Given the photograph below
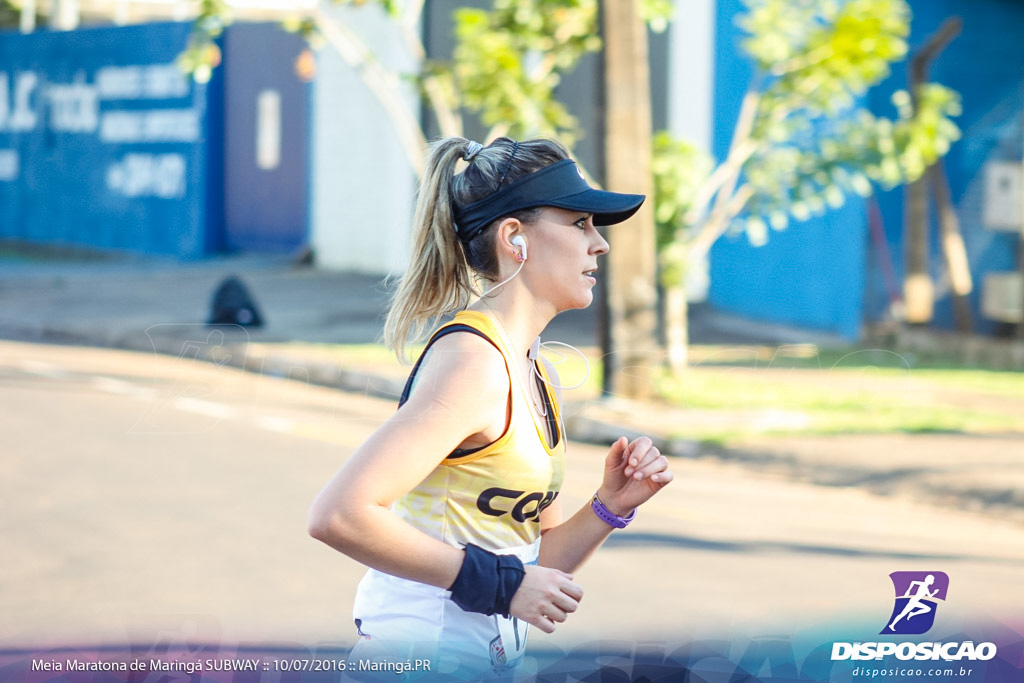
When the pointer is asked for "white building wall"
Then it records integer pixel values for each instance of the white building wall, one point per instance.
(691, 101)
(691, 71)
(362, 186)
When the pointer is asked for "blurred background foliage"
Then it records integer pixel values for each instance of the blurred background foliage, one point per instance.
(803, 142)
(808, 142)
(10, 14)
(509, 61)
(202, 55)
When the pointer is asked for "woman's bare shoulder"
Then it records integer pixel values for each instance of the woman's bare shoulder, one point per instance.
(462, 368)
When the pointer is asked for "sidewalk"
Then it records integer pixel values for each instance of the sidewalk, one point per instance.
(147, 305)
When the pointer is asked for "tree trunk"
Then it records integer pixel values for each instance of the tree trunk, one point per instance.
(918, 288)
(1020, 256)
(677, 330)
(1020, 270)
(632, 297)
(953, 248)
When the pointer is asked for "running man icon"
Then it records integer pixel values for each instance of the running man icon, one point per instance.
(917, 594)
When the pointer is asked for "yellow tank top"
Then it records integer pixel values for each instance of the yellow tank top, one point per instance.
(492, 496)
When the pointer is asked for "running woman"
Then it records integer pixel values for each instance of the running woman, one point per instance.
(453, 502)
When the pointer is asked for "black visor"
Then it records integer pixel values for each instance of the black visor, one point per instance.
(560, 185)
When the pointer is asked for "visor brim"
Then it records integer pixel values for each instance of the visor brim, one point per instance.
(608, 208)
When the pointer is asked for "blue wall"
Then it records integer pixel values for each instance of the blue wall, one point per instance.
(985, 64)
(266, 207)
(104, 143)
(823, 273)
(809, 275)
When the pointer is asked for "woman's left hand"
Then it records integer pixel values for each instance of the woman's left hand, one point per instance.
(633, 472)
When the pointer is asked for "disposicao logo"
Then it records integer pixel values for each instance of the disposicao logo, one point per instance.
(917, 596)
(916, 602)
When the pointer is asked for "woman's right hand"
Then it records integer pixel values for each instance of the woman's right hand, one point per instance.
(546, 597)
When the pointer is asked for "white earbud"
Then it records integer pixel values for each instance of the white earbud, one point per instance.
(521, 242)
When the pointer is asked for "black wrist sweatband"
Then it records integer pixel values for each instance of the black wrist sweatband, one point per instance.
(487, 581)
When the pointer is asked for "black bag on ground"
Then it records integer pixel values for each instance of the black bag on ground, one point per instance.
(233, 305)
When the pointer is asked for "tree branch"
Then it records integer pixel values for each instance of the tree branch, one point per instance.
(381, 83)
(717, 178)
(413, 12)
(722, 182)
(499, 130)
(718, 222)
(816, 56)
(949, 30)
(448, 119)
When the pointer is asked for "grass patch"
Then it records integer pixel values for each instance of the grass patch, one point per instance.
(731, 393)
(845, 400)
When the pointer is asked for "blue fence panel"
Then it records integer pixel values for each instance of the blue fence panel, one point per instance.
(266, 145)
(810, 275)
(983, 64)
(105, 143)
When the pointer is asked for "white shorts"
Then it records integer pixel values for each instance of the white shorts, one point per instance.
(405, 621)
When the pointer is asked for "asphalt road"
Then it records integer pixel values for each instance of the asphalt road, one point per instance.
(143, 495)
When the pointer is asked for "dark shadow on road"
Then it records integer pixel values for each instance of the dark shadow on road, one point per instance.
(638, 539)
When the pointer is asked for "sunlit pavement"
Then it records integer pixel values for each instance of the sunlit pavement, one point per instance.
(144, 495)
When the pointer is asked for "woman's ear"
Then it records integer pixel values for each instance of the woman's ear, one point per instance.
(508, 230)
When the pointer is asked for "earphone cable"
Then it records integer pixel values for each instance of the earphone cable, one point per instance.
(505, 281)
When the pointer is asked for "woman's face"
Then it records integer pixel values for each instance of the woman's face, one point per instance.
(563, 247)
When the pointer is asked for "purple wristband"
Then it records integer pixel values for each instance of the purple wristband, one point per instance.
(607, 516)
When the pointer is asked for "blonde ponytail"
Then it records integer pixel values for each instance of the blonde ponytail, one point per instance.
(440, 278)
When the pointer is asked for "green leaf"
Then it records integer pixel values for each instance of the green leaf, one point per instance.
(757, 231)
(778, 220)
(509, 60)
(800, 211)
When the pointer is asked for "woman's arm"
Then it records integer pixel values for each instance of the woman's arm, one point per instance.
(461, 391)
(634, 472)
